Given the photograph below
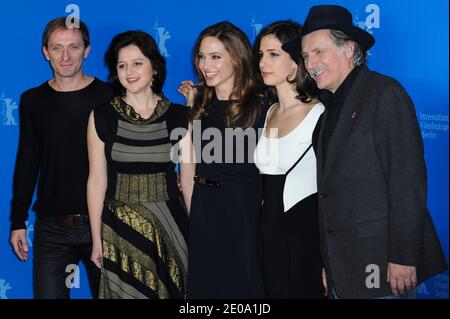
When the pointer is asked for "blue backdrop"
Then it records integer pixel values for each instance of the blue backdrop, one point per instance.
(411, 45)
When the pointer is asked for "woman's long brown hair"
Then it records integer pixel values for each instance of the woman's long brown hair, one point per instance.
(242, 112)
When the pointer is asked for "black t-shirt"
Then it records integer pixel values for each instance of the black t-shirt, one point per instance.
(53, 150)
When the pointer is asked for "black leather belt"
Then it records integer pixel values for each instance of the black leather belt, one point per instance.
(205, 181)
(68, 220)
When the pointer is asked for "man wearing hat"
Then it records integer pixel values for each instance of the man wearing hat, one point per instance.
(377, 236)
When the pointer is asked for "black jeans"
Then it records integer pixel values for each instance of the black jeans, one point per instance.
(56, 247)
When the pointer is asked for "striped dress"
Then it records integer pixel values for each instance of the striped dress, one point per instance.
(144, 221)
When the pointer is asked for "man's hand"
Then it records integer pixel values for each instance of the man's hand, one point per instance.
(18, 240)
(402, 278)
(324, 282)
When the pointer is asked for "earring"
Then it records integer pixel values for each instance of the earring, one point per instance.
(153, 77)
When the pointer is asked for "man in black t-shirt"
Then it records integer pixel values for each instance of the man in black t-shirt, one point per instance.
(52, 153)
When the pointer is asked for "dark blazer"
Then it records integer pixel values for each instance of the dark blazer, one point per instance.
(373, 190)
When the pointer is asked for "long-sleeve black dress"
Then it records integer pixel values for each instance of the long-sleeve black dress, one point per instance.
(224, 219)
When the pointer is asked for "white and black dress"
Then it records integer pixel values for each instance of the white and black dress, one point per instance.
(290, 244)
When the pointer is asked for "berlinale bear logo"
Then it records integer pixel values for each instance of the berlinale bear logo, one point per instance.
(8, 105)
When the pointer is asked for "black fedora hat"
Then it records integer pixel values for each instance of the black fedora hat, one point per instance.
(335, 18)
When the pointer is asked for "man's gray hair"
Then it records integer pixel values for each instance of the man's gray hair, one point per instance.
(341, 39)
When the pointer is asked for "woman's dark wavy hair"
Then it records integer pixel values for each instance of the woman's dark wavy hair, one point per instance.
(148, 47)
(242, 112)
(285, 31)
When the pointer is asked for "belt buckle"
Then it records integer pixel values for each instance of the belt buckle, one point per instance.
(77, 220)
(204, 181)
(214, 184)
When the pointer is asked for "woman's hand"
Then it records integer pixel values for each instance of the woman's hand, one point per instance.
(188, 90)
(324, 281)
(97, 255)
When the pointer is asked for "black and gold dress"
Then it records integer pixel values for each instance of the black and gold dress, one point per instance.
(144, 221)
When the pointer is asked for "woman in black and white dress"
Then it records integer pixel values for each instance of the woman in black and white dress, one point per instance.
(290, 251)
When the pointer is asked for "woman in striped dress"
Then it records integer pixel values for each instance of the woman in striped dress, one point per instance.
(137, 214)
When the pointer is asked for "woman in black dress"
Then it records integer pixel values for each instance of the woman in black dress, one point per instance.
(227, 193)
(291, 260)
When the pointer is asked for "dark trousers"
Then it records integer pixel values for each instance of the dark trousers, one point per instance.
(57, 248)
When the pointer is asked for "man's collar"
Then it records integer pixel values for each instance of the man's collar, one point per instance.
(327, 97)
(344, 88)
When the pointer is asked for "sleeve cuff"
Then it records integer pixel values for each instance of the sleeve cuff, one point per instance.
(15, 225)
